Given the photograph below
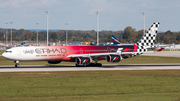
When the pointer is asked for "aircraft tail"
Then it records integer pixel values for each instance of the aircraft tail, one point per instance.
(148, 39)
(115, 41)
(159, 50)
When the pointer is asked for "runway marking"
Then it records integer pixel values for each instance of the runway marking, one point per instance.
(104, 67)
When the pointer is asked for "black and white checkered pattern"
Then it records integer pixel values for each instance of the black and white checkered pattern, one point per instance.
(148, 39)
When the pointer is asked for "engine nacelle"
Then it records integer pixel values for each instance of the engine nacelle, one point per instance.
(83, 61)
(53, 62)
(113, 58)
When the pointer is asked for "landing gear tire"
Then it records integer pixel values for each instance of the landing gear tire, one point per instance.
(16, 65)
(79, 65)
(99, 64)
(91, 65)
(84, 65)
(95, 64)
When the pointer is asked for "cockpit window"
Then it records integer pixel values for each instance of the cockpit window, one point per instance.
(8, 52)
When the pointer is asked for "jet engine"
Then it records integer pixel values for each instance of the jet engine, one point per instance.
(113, 58)
(83, 61)
(53, 62)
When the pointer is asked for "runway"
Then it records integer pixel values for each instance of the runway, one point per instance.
(104, 67)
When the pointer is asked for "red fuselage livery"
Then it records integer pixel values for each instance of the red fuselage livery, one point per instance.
(60, 53)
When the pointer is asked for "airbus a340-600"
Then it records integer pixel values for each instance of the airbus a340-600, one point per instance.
(83, 55)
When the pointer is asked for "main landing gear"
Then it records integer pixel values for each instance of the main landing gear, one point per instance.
(90, 65)
(17, 63)
(95, 64)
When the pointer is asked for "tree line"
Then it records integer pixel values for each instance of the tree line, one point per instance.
(128, 35)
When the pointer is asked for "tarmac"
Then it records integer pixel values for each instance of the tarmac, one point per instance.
(104, 67)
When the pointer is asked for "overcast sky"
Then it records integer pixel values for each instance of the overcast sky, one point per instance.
(79, 14)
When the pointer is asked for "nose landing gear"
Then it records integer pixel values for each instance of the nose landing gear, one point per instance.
(17, 63)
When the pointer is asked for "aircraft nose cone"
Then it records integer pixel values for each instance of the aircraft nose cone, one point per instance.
(3, 55)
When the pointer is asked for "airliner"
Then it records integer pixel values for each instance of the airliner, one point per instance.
(115, 41)
(83, 55)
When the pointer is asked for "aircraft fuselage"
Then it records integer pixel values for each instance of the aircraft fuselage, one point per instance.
(60, 53)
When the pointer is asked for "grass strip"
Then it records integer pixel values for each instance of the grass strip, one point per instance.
(148, 85)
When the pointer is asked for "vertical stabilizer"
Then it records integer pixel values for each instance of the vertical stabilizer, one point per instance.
(148, 39)
(115, 41)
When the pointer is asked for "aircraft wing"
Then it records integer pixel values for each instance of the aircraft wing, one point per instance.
(105, 54)
(89, 55)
